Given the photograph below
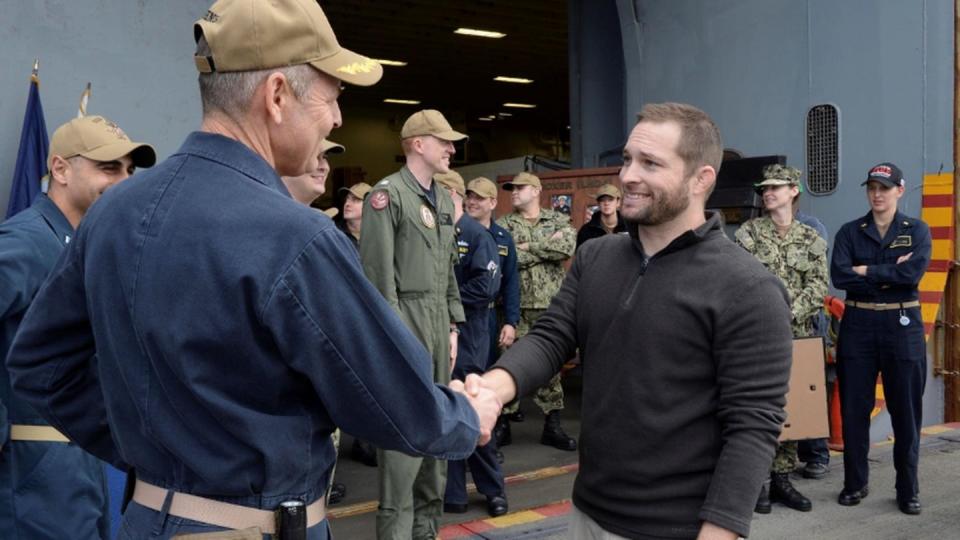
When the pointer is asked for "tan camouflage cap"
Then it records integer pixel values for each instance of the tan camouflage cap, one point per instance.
(329, 147)
(451, 180)
(483, 187)
(249, 35)
(522, 179)
(780, 175)
(99, 139)
(430, 122)
(358, 190)
(608, 190)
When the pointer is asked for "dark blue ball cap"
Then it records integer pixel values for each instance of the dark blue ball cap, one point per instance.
(886, 173)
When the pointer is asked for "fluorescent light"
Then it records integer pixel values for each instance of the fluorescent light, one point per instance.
(485, 119)
(479, 33)
(402, 101)
(389, 62)
(520, 105)
(504, 114)
(518, 80)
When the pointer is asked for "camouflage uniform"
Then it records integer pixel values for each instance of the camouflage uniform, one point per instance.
(541, 273)
(799, 259)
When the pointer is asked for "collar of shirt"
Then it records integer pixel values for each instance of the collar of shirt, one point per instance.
(897, 226)
(55, 219)
(233, 154)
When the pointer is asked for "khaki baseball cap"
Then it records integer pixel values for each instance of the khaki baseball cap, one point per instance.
(522, 179)
(451, 180)
(358, 190)
(483, 187)
(99, 139)
(329, 147)
(249, 35)
(430, 122)
(608, 190)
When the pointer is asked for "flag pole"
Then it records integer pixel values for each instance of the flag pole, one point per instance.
(84, 98)
(35, 76)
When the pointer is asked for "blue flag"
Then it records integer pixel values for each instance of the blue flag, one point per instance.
(32, 157)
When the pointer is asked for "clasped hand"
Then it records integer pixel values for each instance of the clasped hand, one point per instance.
(484, 401)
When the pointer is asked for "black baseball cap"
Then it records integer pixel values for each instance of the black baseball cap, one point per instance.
(886, 173)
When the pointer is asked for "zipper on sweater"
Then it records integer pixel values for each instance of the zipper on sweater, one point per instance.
(628, 300)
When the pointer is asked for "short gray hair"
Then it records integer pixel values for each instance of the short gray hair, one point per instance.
(231, 92)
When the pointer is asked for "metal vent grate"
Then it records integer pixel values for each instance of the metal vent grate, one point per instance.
(823, 149)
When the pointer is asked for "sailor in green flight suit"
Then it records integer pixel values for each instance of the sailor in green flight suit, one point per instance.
(408, 250)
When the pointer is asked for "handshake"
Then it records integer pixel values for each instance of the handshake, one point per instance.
(486, 395)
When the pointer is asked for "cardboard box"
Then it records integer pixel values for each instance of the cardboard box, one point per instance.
(807, 398)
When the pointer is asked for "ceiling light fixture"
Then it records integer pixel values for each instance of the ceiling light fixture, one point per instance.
(485, 119)
(402, 101)
(398, 63)
(520, 105)
(518, 80)
(479, 33)
(504, 114)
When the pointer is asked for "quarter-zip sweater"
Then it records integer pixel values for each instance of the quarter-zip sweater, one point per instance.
(686, 357)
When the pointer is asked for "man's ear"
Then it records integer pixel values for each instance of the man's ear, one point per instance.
(59, 170)
(706, 177)
(276, 96)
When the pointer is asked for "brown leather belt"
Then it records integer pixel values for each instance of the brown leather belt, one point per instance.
(21, 432)
(221, 514)
(883, 306)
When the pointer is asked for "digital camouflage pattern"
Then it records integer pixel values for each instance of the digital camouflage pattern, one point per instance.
(800, 261)
(541, 266)
(549, 397)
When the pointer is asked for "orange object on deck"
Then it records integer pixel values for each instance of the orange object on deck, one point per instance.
(834, 307)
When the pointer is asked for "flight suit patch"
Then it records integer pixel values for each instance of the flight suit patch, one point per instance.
(426, 216)
(379, 200)
(904, 240)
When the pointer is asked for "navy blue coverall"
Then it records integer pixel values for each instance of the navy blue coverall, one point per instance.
(234, 330)
(509, 294)
(872, 342)
(478, 276)
(47, 489)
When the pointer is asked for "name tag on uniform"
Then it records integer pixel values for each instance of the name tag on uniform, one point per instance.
(502, 251)
(445, 219)
(904, 240)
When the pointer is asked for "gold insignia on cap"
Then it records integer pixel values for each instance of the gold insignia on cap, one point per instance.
(210, 16)
(427, 217)
(115, 129)
(366, 66)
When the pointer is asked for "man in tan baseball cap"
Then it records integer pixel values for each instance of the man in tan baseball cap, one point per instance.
(606, 219)
(305, 188)
(408, 251)
(351, 223)
(86, 157)
(225, 347)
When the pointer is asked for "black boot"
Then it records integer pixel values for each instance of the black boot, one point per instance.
(553, 434)
(501, 432)
(763, 502)
(781, 490)
(517, 416)
(337, 492)
(364, 452)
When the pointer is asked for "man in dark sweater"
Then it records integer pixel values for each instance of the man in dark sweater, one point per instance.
(606, 220)
(686, 344)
